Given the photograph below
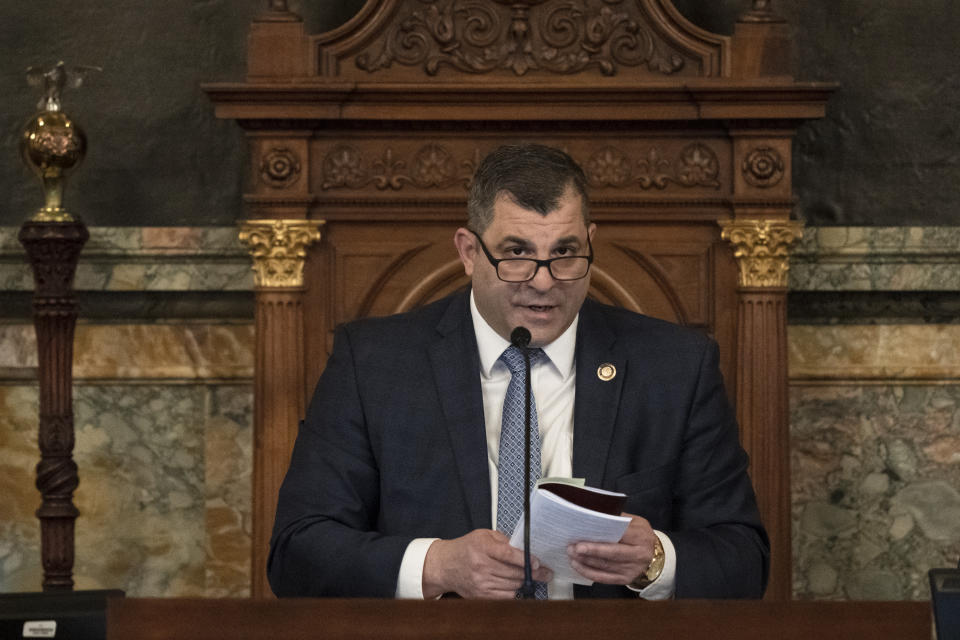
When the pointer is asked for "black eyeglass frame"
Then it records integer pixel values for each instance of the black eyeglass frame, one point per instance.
(540, 263)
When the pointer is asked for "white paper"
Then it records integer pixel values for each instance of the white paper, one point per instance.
(556, 524)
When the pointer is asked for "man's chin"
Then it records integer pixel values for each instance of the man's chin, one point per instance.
(543, 334)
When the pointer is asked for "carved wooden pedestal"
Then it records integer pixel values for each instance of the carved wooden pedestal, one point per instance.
(53, 249)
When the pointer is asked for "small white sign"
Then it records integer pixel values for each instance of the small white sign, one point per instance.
(40, 629)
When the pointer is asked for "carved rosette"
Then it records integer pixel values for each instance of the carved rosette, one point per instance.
(280, 168)
(763, 167)
(762, 249)
(279, 250)
(557, 36)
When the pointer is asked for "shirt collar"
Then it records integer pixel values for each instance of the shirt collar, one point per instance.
(491, 344)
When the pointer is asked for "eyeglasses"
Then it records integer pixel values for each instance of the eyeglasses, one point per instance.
(562, 268)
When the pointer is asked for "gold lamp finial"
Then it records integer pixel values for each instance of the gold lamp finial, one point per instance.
(52, 144)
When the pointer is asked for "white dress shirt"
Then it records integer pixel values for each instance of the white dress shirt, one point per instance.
(553, 385)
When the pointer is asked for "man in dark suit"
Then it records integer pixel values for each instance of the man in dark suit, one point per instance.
(392, 485)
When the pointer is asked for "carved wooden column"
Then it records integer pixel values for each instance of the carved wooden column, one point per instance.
(279, 250)
(53, 249)
(761, 248)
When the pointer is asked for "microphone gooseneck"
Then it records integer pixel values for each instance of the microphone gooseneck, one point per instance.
(520, 338)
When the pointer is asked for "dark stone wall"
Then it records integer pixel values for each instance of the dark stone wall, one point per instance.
(887, 152)
(885, 155)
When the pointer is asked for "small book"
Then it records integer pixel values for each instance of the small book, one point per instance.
(564, 511)
(574, 490)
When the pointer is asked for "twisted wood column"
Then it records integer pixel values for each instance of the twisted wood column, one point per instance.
(761, 248)
(279, 250)
(53, 249)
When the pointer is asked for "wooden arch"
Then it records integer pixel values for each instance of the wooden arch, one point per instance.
(364, 139)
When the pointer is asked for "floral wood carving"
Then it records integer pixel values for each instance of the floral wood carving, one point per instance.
(431, 166)
(697, 166)
(561, 36)
(762, 249)
(434, 166)
(279, 250)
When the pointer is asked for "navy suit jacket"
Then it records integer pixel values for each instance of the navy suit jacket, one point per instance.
(393, 448)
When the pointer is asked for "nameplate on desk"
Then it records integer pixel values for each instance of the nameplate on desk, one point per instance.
(40, 629)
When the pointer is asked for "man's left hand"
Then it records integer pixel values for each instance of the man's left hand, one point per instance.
(616, 562)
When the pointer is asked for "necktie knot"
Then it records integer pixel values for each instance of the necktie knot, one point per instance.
(513, 358)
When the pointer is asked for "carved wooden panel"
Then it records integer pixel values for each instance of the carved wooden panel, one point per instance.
(528, 38)
(619, 164)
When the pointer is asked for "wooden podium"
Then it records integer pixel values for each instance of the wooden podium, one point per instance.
(197, 619)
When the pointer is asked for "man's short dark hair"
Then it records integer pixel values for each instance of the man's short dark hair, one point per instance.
(534, 176)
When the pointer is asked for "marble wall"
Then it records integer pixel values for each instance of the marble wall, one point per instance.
(164, 411)
(874, 411)
(163, 414)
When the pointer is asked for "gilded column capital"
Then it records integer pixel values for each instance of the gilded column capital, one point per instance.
(762, 249)
(279, 250)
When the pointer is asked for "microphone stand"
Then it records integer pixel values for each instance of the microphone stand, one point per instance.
(520, 337)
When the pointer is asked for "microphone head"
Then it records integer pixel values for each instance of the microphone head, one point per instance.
(520, 337)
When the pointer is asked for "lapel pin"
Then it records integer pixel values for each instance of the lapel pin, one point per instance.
(606, 372)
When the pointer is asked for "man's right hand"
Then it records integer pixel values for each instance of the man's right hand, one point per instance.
(481, 564)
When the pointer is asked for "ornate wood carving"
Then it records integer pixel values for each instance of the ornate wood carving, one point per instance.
(559, 37)
(762, 249)
(432, 165)
(516, 38)
(280, 168)
(439, 166)
(53, 249)
(763, 167)
(279, 249)
(697, 166)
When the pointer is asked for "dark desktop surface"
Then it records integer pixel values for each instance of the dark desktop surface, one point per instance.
(77, 615)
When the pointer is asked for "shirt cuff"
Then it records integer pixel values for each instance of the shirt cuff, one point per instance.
(410, 578)
(663, 587)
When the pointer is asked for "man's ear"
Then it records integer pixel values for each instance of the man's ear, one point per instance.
(466, 244)
(591, 231)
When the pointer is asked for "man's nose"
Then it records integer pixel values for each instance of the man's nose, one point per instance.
(542, 279)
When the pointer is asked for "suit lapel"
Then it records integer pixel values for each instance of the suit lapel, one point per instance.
(456, 372)
(597, 400)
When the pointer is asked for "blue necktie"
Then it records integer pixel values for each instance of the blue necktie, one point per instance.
(510, 457)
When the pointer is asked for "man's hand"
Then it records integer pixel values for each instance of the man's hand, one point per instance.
(481, 564)
(616, 562)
